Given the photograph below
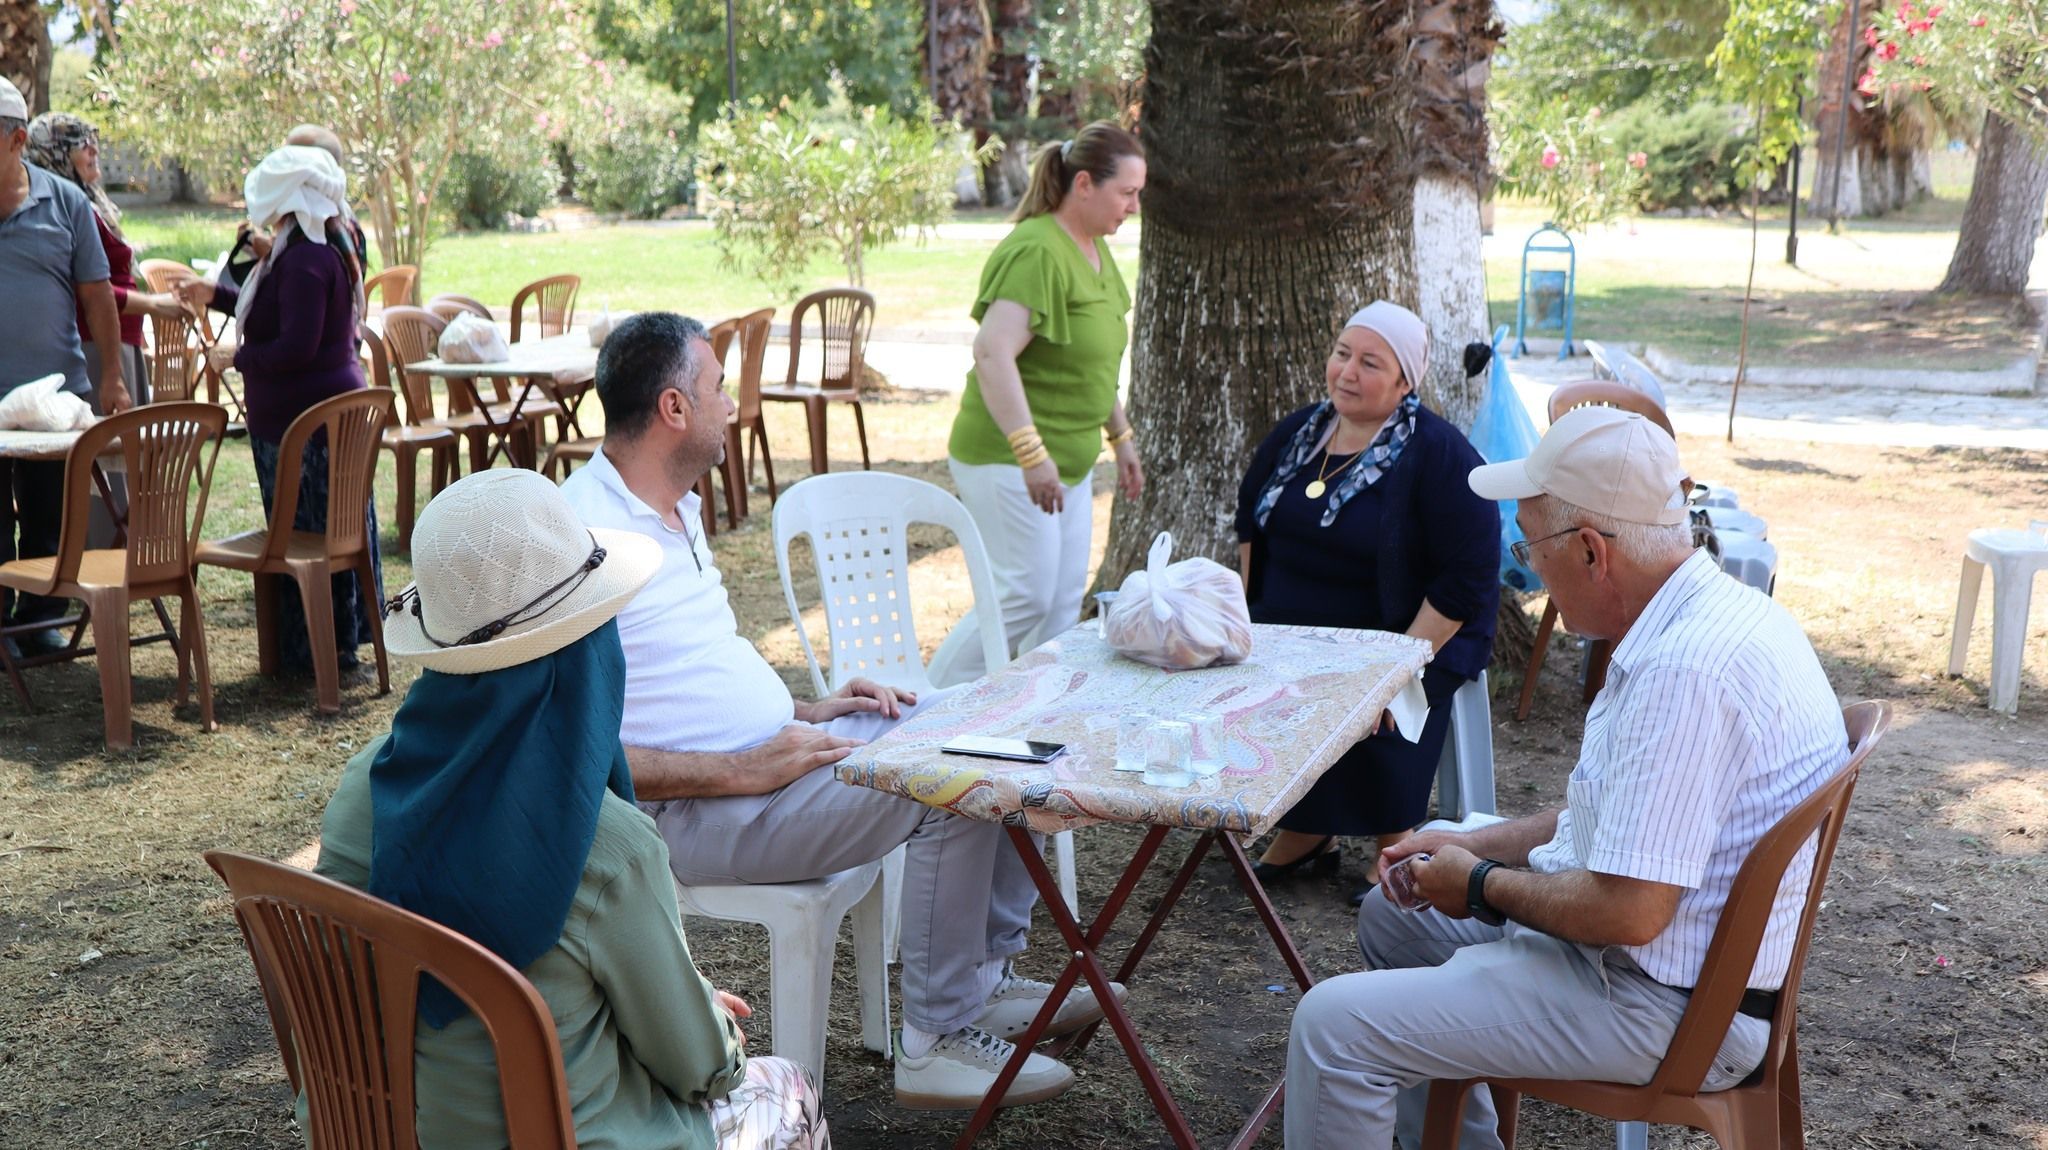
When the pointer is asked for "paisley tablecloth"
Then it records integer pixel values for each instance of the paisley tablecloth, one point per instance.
(1290, 711)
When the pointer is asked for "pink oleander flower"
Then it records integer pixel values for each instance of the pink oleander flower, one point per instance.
(1638, 160)
(1915, 27)
(1593, 115)
(1870, 37)
(401, 77)
(348, 8)
(1867, 83)
(243, 55)
(1550, 156)
(1887, 51)
(1977, 21)
(492, 41)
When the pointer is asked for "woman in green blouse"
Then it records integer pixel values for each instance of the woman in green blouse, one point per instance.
(1052, 308)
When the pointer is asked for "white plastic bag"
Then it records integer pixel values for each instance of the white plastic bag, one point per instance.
(1180, 615)
(473, 339)
(601, 328)
(42, 405)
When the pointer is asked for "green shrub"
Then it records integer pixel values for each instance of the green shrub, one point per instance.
(482, 190)
(628, 145)
(1694, 155)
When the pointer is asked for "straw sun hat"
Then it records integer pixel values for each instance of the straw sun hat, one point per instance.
(505, 572)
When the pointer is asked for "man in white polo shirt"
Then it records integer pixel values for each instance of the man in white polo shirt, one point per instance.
(1564, 945)
(737, 774)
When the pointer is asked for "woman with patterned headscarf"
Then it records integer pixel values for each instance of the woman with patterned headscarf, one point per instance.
(295, 318)
(64, 145)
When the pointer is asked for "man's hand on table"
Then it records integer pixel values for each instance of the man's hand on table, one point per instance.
(857, 696)
(795, 751)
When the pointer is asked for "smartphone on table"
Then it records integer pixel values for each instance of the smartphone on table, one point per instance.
(1015, 750)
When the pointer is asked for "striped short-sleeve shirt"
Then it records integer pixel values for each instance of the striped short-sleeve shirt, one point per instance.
(1716, 720)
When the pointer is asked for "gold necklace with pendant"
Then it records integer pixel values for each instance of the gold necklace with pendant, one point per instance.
(1318, 485)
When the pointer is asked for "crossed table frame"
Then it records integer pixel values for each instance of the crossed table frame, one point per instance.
(1288, 719)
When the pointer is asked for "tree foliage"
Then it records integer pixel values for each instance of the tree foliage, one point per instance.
(407, 84)
(1573, 162)
(1768, 49)
(1094, 50)
(1611, 54)
(1967, 56)
(800, 179)
(872, 47)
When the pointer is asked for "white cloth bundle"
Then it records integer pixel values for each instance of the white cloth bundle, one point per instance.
(1180, 615)
(42, 405)
(473, 339)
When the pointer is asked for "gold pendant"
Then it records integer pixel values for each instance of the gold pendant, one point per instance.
(1315, 489)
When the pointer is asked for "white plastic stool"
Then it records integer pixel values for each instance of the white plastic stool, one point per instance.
(2014, 557)
(1749, 559)
(803, 927)
(1464, 771)
(1736, 519)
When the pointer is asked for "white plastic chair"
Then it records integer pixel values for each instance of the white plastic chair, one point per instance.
(858, 523)
(1464, 771)
(1750, 559)
(803, 927)
(1621, 367)
(2014, 557)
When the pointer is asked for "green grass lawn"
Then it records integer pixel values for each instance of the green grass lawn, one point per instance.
(1857, 298)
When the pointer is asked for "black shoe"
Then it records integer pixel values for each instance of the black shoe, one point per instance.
(1358, 896)
(1322, 857)
(30, 644)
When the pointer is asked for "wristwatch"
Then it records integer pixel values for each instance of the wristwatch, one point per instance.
(1475, 895)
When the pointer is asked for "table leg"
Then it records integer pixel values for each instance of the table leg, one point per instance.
(1085, 962)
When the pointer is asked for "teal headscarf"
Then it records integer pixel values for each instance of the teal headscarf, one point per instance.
(484, 800)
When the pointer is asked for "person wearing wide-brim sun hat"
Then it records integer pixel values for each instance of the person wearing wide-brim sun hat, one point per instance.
(500, 805)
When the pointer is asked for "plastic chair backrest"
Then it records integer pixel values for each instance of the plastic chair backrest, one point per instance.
(413, 335)
(394, 285)
(1606, 393)
(448, 305)
(1732, 952)
(340, 972)
(160, 445)
(174, 358)
(1623, 368)
(721, 335)
(354, 422)
(858, 523)
(754, 330)
(845, 316)
(556, 304)
(419, 400)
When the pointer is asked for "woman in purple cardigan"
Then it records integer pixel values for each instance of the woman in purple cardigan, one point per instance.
(296, 318)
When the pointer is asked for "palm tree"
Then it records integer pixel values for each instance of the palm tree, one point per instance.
(25, 51)
(1884, 145)
(959, 35)
(1305, 158)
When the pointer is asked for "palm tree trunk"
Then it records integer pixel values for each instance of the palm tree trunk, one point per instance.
(25, 51)
(2002, 220)
(1885, 163)
(1282, 195)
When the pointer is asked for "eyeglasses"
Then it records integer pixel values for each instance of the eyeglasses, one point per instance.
(1521, 547)
(541, 604)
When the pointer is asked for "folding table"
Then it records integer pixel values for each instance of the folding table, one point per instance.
(1289, 712)
(532, 363)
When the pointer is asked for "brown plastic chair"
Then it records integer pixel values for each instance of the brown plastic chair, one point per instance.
(845, 317)
(395, 286)
(418, 433)
(1763, 1113)
(748, 424)
(340, 972)
(1591, 393)
(448, 305)
(554, 301)
(721, 336)
(174, 356)
(160, 446)
(354, 422)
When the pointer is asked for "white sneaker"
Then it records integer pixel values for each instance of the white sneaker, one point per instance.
(1016, 1002)
(958, 1072)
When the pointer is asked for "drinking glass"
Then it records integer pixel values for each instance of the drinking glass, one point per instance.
(1168, 750)
(1131, 727)
(1104, 600)
(1208, 750)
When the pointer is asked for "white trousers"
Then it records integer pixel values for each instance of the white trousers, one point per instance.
(1040, 561)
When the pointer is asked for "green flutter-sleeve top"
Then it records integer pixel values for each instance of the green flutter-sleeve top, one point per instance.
(1079, 328)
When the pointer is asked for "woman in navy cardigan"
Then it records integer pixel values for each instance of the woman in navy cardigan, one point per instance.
(1355, 513)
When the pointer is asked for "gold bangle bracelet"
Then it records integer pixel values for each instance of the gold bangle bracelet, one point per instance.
(1032, 459)
(1021, 435)
(1124, 436)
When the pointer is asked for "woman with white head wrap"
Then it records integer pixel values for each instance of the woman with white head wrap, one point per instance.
(1355, 513)
(296, 317)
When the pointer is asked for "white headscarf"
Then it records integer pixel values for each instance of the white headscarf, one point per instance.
(300, 183)
(1403, 330)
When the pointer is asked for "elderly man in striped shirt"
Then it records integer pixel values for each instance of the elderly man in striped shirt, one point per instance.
(1564, 945)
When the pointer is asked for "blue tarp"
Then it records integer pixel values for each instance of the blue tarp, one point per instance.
(1504, 431)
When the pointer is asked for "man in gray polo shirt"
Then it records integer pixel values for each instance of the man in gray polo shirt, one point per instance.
(50, 252)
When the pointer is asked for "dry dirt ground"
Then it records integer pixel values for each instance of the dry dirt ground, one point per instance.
(129, 1016)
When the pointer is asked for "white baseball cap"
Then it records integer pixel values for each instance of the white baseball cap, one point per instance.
(11, 103)
(1611, 462)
